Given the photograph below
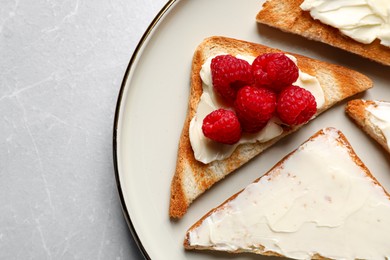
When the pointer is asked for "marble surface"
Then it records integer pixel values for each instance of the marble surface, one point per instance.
(61, 66)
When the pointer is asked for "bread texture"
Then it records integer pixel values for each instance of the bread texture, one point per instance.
(191, 177)
(288, 16)
(357, 110)
(233, 215)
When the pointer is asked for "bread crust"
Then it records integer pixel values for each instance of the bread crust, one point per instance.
(341, 140)
(192, 177)
(288, 16)
(356, 109)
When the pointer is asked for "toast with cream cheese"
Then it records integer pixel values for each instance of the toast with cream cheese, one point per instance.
(319, 202)
(192, 177)
(373, 116)
(289, 17)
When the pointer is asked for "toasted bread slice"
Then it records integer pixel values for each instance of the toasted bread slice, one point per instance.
(288, 16)
(192, 177)
(361, 111)
(320, 201)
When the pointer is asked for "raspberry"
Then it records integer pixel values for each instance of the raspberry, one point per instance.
(254, 107)
(229, 74)
(296, 105)
(222, 126)
(274, 71)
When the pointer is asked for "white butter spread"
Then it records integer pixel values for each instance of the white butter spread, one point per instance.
(380, 116)
(362, 20)
(317, 202)
(206, 150)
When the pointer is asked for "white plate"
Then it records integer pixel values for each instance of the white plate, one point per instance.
(152, 105)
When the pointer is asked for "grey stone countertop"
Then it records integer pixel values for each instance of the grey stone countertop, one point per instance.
(61, 67)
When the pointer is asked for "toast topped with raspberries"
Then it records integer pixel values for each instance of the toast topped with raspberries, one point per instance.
(328, 206)
(245, 97)
(373, 116)
(289, 16)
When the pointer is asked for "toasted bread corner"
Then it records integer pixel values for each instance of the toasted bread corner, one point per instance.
(357, 110)
(288, 17)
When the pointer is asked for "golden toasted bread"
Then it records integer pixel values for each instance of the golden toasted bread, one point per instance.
(361, 112)
(192, 177)
(319, 202)
(288, 16)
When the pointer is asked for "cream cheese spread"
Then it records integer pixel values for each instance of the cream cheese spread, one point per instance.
(318, 201)
(362, 20)
(380, 116)
(206, 150)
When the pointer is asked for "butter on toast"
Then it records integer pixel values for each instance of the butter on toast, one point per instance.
(191, 177)
(366, 116)
(288, 17)
(319, 202)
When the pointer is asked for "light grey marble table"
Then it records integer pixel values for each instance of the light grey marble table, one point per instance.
(61, 67)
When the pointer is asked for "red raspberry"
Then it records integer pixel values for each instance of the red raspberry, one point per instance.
(229, 74)
(254, 107)
(274, 71)
(296, 105)
(222, 126)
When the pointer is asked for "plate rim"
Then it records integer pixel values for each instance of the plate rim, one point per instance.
(148, 37)
(163, 11)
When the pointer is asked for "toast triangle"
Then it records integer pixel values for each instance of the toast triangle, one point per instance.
(360, 111)
(319, 202)
(287, 16)
(191, 177)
